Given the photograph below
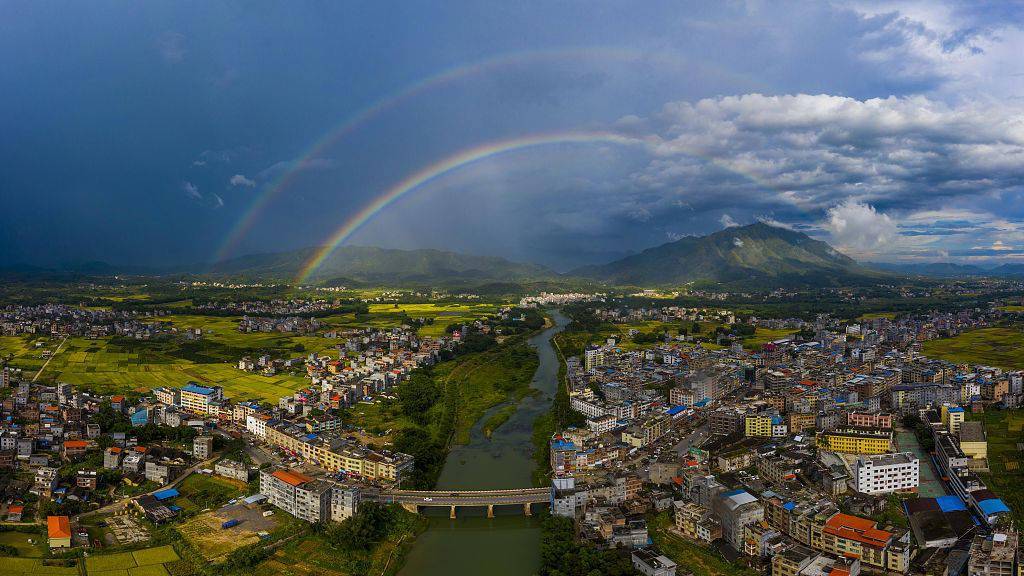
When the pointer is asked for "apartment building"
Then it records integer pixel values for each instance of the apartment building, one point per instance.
(852, 440)
(883, 473)
(297, 494)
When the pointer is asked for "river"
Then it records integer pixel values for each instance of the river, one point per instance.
(509, 544)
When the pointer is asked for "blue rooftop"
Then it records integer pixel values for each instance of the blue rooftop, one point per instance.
(992, 506)
(675, 410)
(165, 494)
(950, 503)
(197, 389)
(956, 409)
(789, 506)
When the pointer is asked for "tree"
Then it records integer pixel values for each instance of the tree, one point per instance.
(417, 396)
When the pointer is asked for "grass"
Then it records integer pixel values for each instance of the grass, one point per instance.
(160, 555)
(312, 555)
(1001, 346)
(1012, 308)
(499, 417)
(19, 540)
(119, 561)
(442, 314)
(689, 555)
(32, 567)
(1004, 432)
(145, 562)
(200, 491)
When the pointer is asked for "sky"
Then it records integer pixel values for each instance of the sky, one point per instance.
(568, 133)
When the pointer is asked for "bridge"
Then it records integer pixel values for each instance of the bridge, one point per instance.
(413, 500)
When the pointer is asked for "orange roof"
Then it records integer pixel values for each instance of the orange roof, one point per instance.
(116, 398)
(839, 572)
(114, 450)
(141, 449)
(75, 444)
(15, 509)
(291, 477)
(858, 529)
(58, 527)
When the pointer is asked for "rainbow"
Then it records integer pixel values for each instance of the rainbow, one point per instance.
(439, 169)
(449, 75)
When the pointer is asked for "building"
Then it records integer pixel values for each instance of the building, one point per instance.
(973, 441)
(232, 469)
(344, 502)
(58, 530)
(592, 358)
(885, 473)
(566, 499)
(735, 510)
(202, 447)
(852, 440)
(297, 494)
(858, 538)
(650, 562)
(993, 554)
(198, 399)
(952, 418)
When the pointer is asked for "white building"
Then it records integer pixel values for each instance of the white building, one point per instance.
(884, 473)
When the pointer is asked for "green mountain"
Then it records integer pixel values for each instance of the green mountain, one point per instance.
(370, 265)
(755, 256)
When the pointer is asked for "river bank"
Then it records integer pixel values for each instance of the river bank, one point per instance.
(507, 545)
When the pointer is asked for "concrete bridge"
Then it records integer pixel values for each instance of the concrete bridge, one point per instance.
(413, 500)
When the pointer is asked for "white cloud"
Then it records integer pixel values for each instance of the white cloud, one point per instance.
(191, 190)
(859, 227)
(727, 222)
(241, 180)
(218, 202)
(737, 242)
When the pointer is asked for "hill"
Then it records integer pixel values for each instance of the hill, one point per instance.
(930, 269)
(757, 255)
(371, 265)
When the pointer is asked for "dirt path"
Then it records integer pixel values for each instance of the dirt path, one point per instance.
(47, 363)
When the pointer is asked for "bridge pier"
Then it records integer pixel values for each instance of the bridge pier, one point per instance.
(490, 510)
(452, 515)
(526, 509)
(415, 509)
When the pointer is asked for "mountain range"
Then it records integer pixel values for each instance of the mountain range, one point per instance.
(758, 254)
(754, 256)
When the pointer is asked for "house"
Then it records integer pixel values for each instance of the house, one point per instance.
(650, 562)
(14, 513)
(58, 530)
(74, 448)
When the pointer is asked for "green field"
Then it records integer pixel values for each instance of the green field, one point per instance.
(442, 314)
(1006, 474)
(200, 491)
(33, 567)
(690, 556)
(1003, 347)
(20, 540)
(146, 562)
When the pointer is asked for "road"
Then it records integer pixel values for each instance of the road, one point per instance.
(124, 501)
(47, 363)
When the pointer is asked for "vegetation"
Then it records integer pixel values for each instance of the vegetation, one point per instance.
(700, 560)
(999, 346)
(1005, 476)
(562, 554)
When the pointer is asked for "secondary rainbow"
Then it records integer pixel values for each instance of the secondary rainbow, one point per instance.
(364, 115)
(443, 167)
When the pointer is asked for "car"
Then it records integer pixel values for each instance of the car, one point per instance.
(428, 499)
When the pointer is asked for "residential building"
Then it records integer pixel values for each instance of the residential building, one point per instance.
(883, 473)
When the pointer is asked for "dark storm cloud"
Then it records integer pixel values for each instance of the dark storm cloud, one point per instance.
(827, 117)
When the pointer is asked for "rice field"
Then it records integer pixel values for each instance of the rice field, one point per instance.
(146, 562)
(1003, 347)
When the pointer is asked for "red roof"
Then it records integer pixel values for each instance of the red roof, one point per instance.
(58, 527)
(117, 399)
(76, 444)
(291, 477)
(15, 509)
(114, 450)
(858, 529)
(141, 449)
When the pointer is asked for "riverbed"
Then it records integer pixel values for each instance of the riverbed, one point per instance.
(509, 543)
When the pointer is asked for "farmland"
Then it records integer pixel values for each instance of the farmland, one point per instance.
(1000, 346)
(1006, 477)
